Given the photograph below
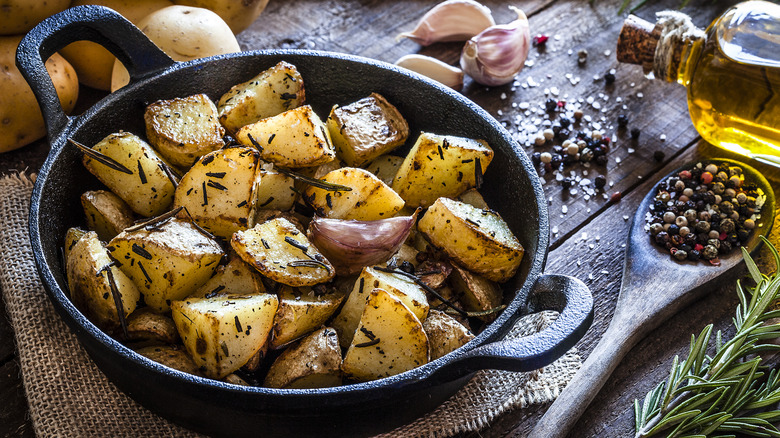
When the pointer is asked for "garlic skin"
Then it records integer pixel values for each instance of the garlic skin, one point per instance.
(498, 53)
(434, 69)
(451, 20)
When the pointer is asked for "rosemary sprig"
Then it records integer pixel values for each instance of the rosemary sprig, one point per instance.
(732, 391)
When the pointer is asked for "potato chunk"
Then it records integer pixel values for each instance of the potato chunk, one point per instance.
(388, 341)
(219, 190)
(89, 281)
(282, 253)
(72, 236)
(314, 362)
(173, 356)
(146, 188)
(370, 199)
(385, 167)
(301, 310)
(294, 138)
(107, 214)
(272, 92)
(366, 129)
(478, 239)
(476, 292)
(167, 263)
(236, 277)
(412, 295)
(222, 333)
(445, 333)
(184, 129)
(144, 325)
(276, 191)
(440, 165)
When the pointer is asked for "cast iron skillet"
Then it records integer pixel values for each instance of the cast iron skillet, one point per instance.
(511, 187)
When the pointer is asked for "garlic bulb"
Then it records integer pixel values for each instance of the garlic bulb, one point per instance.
(451, 20)
(434, 69)
(498, 53)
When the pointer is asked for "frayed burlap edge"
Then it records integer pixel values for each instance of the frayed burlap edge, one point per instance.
(69, 396)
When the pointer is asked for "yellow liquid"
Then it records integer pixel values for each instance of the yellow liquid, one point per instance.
(733, 81)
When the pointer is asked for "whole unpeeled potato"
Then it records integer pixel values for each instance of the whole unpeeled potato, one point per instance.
(19, 16)
(21, 121)
(238, 14)
(184, 33)
(92, 62)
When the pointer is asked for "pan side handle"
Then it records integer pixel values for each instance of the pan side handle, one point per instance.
(93, 23)
(567, 295)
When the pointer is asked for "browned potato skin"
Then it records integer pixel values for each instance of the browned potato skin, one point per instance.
(445, 333)
(477, 293)
(72, 237)
(300, 312)
(173, 356)
(144, 325)
(107, 214)
(315, 358)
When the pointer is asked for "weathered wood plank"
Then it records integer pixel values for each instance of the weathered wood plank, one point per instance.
(14, 421)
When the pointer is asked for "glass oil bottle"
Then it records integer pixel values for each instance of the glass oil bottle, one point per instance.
(731, 72)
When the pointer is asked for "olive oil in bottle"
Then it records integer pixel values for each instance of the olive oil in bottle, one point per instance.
(731, 72)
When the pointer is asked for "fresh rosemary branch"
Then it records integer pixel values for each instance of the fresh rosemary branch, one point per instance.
(732, 391)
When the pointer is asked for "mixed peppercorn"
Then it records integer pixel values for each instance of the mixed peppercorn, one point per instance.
(704, 212)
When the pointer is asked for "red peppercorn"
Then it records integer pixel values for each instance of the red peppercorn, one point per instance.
(706, 178)
(722, 236)
(698, 247)
(615, 197)
(540, 40)
(685, 174)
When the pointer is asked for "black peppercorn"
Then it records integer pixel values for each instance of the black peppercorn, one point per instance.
(694, 255)
(662, 238)
(609, 78)
(601, 160)
(536, 158)
(658, 155)
(600, 182)
(565, 122)
(550, 105)
(673, 230)
(622, 121)
(635, 133)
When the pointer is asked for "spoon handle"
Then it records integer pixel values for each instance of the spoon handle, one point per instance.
(563, 414)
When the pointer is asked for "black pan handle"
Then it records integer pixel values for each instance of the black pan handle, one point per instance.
(567, 295)
(99, 24)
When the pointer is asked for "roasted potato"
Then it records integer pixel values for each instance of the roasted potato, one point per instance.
(107, 214)
(302, 310)
(312, 362)
(445, 333)
(72, 237)
(473, 197)
(167, 262)
(477, 293)
(223, 332)
(388, 341)
(236, 277)
(385, 167)
(370, 199)
(478, 239)
(172, 356)
(276, 190)
(146, 326)
(366, 129)
(272, 92)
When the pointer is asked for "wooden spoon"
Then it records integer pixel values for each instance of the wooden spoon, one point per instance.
(654, 287)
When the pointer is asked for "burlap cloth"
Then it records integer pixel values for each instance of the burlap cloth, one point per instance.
(69, 396)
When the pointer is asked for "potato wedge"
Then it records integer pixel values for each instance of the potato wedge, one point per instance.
(478, 239)
(272, 92)
(445, 333)
(167, 263)
(282, 253)
(236, 277)
(366, 129)
(473, 197)
(146, 188)
(440, 165)
(388, 341)
(302, 310)
(72, 237)
(90, 272)
(477, 293)
(312, 362)
(385, 167)
(219, 190)
(222, 333)
(144, 325)
(412, 295)
(173, 356)
(370, 199)
(107, 214)
(276, 190)
(294, 138)
(184, 129)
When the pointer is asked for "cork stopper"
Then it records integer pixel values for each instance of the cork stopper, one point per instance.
(637, 42)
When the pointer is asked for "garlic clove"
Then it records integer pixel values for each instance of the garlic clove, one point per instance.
(451, 20)
(434, 69)
(498, 53)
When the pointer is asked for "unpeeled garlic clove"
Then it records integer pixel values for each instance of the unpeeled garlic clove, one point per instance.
(451, 20)
(498, 53)
(434, 69)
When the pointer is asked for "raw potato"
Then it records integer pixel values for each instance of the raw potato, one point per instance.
(146, 189)
(477, 293)
(168, 262)
(301, 310)
(445, 333)
(222, 333)
(236, 277)
(366, 129)
(19, 16)
(184, 129)
(107, 214)
(275, 248)
(385, 167)
(294, 138)
(272, 92)
(94, 63)
(219, 190)
(144, 325)
(313, 362)
(21, 120)
(184, 33)
(89, 281)
(370, 199)
(172, 356)
(440, 165)
(478, 239)
(388, 341)
(412, 295)
(238, 14)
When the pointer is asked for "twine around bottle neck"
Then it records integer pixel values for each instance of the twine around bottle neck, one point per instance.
(677, 31)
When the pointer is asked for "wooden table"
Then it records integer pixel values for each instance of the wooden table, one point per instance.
(587, 234)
